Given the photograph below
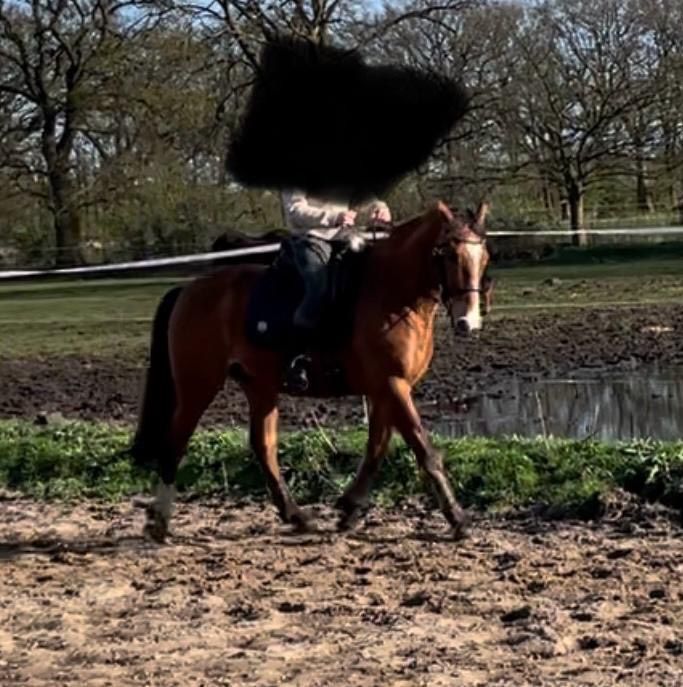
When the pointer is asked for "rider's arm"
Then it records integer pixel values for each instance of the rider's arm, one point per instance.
(303, 215)
(377, 204)
(373, 206)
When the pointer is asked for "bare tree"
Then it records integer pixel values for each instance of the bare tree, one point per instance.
(663, 19)
(471, 44)
(247, 24)
(117, 117)
(577, 77)
(53, 54)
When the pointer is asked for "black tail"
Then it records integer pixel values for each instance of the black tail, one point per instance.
(158, 401)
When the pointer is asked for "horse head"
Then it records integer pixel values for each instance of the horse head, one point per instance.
(461, 259)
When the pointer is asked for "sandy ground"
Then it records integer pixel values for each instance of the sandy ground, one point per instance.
(235, 599)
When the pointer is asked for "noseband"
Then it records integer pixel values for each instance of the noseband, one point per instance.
(441, 254)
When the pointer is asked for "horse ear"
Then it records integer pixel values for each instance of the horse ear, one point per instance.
(442, 210)
(480, 217)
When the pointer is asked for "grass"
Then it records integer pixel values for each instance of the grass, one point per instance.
(79, 460)
(107, 318)
(112, 317)
(546, 288)
(607, 253)
(594, 277)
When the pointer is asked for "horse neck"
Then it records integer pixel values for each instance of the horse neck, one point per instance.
(402, 266)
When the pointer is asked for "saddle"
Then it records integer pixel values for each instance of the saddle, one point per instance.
(278, 292)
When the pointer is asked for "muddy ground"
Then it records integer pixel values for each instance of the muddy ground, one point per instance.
(234, 599)
(545, 344)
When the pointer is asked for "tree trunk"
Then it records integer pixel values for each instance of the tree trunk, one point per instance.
(66, 222)
(547, 197)
(643, 197)
(575, 197)
(68, 239)
(564, 210)
(675, 183)
(65, 219)
(676, 191)
(673, 195)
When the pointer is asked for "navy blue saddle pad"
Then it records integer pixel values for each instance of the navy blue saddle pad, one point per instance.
(278, 292)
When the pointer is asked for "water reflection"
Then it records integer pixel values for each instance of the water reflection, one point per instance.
(620, 406)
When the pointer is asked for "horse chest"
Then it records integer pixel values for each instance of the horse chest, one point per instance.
(411, 344)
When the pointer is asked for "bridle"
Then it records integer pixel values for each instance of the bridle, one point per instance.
(441, 255)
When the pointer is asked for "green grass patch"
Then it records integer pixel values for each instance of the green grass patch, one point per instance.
(121, 340)
(82, 460)
(549, 286)
(111, 317)
(664, 252)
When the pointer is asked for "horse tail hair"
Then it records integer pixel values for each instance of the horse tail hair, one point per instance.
(158, 400)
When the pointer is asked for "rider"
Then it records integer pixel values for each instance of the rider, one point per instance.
(317, 221)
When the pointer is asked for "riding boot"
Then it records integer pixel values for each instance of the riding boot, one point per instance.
(311, 257)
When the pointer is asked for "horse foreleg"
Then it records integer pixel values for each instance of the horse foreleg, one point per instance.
(263, 426)
(356, 496)
(407, 421)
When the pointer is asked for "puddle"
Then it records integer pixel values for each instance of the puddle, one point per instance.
(608, 407)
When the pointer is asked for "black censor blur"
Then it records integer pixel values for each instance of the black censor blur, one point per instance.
(321, 120)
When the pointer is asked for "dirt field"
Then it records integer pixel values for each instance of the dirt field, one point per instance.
(234, 599)
(545, 344)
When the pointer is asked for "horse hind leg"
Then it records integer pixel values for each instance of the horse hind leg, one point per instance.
(158, 512)
(356, 496)
(194, 397)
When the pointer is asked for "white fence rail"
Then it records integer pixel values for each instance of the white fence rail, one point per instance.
(199, 258)
(143, 264)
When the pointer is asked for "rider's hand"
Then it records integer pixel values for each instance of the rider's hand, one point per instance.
(347, 218)
(381, 215)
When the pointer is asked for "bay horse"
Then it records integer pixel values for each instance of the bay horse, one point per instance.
(199, 340)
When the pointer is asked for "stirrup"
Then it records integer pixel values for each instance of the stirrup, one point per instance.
(296, 378)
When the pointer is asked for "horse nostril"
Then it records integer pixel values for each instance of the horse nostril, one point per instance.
(462, 326)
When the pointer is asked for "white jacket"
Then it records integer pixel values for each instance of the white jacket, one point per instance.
(304, 214)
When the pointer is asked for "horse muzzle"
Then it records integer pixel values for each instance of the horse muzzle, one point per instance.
(465, 327)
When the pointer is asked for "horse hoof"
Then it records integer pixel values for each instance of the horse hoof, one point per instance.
(346, 523)
(154, 533)
(156, 527)
(350, 520)
(460, 523)
(351, 514)
(460, 532)
(302, 523)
